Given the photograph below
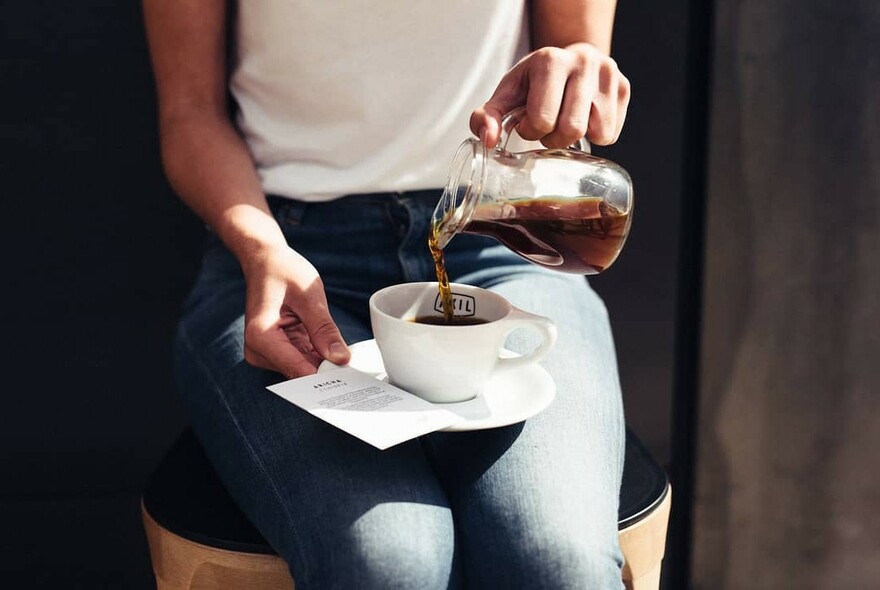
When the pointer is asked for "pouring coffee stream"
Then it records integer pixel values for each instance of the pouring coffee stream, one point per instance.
(563, 209)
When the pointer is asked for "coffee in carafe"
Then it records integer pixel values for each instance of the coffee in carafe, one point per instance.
(563, 209)
(582, 236)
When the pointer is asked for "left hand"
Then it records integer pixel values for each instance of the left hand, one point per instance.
(568, 93)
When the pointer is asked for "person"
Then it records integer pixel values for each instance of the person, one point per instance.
(311, 138)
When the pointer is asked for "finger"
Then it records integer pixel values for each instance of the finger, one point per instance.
(510, 93)
(325, 336)
(486, 124)
(603, 128)
(270, 349)
(298, 336)
(574, 115)
(266, 344)
(255, 359)
(547, 75)
(623, 93)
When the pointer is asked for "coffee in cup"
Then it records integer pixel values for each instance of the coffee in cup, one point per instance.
(445, 362)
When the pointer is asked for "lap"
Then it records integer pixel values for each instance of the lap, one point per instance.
(553, 480)
(326, 501)
(321, 496)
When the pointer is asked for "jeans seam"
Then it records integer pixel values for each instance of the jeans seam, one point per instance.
(262, 468)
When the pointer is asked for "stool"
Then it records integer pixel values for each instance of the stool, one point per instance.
(200, 540)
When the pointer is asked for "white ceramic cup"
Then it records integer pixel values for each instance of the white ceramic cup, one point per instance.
(445, 364)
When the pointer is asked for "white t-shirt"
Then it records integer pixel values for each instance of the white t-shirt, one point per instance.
(346, 96)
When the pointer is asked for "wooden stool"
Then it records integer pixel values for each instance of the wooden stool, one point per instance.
(200, 540)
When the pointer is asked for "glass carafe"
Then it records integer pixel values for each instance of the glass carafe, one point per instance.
(560, 208)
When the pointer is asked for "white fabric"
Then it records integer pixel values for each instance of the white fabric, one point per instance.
(347, 96)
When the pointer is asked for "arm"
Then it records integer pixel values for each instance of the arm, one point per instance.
(569, 84)
(209, 166)
(205, 160)
(560, 24)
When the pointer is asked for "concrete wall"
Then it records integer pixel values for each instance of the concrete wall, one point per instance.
(788, 484)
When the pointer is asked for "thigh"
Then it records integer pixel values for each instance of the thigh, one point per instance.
(536, 503)
(339, 511)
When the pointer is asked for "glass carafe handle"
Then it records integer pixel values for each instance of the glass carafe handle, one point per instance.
(512, 119)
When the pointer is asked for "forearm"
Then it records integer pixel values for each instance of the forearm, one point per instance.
(206, 161)
(560, 23)
(210, 167)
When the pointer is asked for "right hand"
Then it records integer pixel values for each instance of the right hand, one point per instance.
(568, 93)
(287, 323)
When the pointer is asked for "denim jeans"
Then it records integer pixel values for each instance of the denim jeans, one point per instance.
(531, 505)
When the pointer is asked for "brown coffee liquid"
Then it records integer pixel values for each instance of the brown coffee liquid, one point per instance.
(436, 320)
(582, 236)
(442, 277)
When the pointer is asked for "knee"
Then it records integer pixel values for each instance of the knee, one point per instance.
(400, 552)
(581, 565)
(560, 561)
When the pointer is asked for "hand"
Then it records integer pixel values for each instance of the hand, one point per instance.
(568, 93)
(287, 326)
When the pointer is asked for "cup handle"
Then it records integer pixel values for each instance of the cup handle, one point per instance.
(523, 319)
(512, 119)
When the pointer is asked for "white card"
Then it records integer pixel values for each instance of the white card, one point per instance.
(378, 413)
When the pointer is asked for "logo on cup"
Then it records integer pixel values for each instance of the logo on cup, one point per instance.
(462, 305)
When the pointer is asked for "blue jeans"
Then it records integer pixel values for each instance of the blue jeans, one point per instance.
(532, 505)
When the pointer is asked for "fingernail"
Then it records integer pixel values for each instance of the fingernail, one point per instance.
(337, 351)
(483, 133)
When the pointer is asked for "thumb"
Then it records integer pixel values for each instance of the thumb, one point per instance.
(485, 121)
(486, 124)
(325, 335)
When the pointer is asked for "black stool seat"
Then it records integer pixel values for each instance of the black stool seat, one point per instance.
(186, 497)
(644, 485)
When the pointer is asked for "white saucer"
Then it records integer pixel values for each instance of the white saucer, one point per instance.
(510, 397)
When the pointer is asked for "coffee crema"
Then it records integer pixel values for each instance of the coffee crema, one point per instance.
(436, 320)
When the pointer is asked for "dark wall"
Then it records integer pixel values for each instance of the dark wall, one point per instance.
(640, 289)
(98, 254)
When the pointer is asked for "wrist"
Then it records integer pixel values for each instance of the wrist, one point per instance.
(585, 47)
(251, 233)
